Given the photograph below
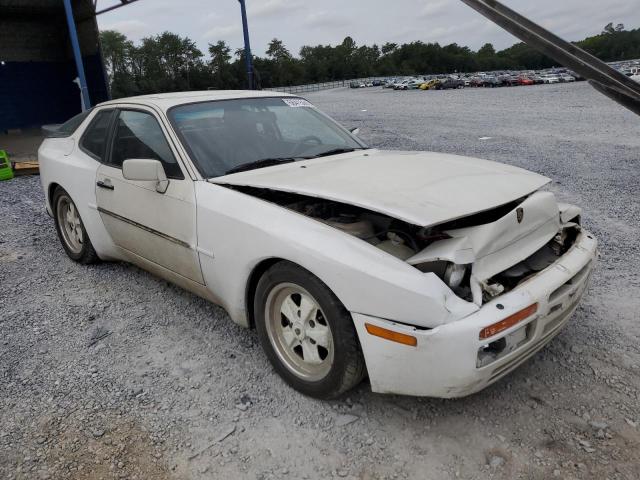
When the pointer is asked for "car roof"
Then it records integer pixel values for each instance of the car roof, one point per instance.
(168, 100)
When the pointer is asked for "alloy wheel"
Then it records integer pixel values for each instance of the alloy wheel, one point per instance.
(299, 331)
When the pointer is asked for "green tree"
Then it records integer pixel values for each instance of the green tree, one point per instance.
(220, 66)
(487, 50)
(169, 62)
(486, 57)
(388, 48)
(117, 53)
(165, 63)
(620, 44)
(277, 51)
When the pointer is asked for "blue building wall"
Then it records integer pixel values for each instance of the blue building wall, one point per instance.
(37, 67)
(37, 93)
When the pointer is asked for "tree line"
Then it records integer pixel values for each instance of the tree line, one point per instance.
(168, 62)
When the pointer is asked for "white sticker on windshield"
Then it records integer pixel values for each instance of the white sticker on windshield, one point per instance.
(297, 102)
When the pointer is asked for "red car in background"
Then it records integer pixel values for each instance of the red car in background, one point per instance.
(525, 81)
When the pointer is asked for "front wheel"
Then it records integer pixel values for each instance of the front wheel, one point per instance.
(306, 333)
(70, 228)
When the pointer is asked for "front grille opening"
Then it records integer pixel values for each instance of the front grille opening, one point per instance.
(538, 261)
(569, 285)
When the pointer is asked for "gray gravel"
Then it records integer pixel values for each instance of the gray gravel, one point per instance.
(107, 372)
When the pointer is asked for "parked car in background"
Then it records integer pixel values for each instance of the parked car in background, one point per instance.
(550, 79)
(429, 84)
(449, 83)
(537, 79)
(566, 78)
(476, 81)
(523, 80)
(400, 84)
(409, 84)
(491, 82)
(511, 81)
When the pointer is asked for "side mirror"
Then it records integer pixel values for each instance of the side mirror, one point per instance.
(355, 131)
(146, 170)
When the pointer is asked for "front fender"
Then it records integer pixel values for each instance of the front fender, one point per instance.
(237, 231)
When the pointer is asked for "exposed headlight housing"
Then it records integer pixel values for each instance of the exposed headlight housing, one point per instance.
(451, 273)
(454, 274)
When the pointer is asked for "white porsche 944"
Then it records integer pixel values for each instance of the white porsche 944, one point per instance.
(432, 274)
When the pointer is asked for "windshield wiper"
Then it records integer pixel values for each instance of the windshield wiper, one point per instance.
(335, 151)
(263, 162)
(268, 162)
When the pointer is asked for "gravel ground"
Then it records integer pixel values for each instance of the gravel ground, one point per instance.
(107, 372)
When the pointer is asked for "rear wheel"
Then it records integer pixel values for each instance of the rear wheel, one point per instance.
(307, 333)
(70, 228)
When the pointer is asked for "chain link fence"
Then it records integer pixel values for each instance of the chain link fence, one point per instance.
(314, 87)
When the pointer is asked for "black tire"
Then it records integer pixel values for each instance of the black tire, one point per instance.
(86, 254)
(348, 367)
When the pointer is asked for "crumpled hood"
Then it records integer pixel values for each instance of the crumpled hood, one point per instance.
(421, 188)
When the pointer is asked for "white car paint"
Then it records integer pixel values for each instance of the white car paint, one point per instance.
(496, 246)
(422, 188)
(209, 239)
(363, 277)
(444, 363)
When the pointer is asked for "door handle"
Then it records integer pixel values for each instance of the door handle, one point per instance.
(105, 184)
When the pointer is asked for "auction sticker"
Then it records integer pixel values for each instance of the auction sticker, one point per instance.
(297, 102)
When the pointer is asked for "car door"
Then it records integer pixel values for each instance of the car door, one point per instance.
(159, 227)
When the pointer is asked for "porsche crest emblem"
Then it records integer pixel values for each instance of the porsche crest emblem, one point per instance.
(519, 214)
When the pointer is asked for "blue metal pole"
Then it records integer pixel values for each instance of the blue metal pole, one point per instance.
(75, 44)
(247, 46)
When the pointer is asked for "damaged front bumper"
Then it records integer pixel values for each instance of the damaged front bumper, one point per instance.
(452, 361)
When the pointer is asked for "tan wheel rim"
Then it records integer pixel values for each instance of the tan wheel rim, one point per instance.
(70, 224)
(299, 332)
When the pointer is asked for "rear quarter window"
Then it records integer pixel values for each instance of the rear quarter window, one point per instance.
(69, 127)
(94, 139)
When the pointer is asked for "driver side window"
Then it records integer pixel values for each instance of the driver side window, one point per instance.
(138, 135)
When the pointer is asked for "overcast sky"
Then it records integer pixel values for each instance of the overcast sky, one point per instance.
(299, 22)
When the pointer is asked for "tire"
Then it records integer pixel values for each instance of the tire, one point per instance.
(71, 231)
(294, 346)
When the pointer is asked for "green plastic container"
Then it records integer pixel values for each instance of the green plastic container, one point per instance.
(6, 172)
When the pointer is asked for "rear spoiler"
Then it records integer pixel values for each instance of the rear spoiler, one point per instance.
(602, 77)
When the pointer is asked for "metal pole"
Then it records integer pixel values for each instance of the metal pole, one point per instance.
(103, 68)
(75, 44)
(247, 46)
(604, 78)
(123, 3)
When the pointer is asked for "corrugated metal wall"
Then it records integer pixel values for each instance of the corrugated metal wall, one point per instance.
(36, 62)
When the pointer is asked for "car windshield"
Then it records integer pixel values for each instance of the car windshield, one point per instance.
(225, 135)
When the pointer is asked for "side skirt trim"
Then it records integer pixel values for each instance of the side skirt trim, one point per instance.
(145, 228)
